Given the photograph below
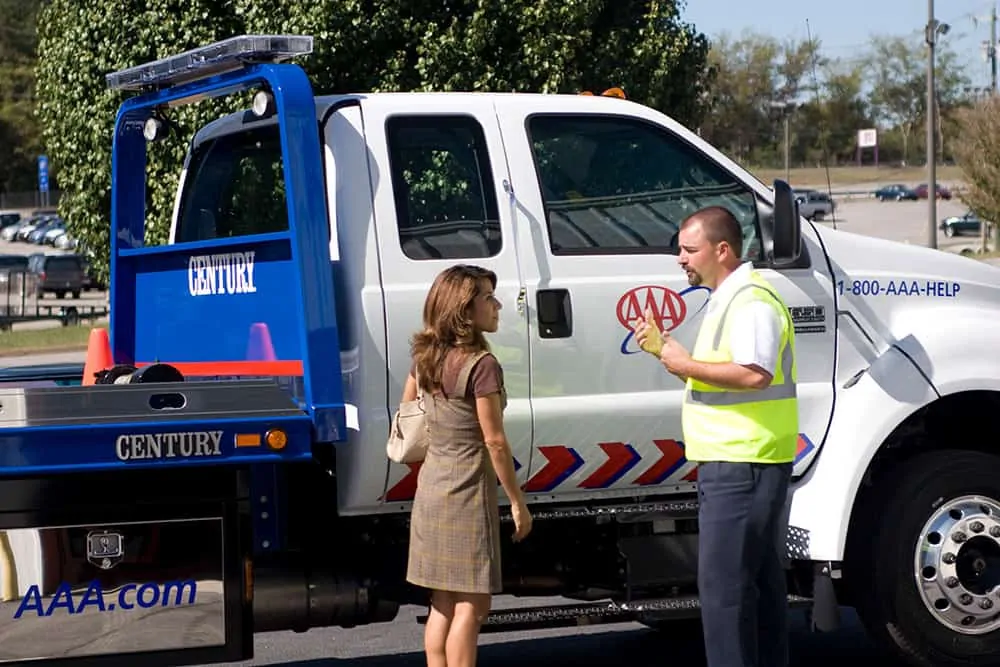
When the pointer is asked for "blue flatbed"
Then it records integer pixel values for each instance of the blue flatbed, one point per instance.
(132, 506)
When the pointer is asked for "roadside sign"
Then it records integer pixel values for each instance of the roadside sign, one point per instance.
(43, 173)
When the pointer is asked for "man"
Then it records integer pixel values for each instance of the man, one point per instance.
(740, 422)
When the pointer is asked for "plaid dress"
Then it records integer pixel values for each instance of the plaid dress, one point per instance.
(455, 520)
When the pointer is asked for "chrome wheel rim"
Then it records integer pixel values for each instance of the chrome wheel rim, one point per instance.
(957, 565)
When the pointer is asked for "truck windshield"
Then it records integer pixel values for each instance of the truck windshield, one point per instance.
(235, 186)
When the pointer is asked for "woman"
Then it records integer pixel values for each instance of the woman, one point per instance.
(455, 521)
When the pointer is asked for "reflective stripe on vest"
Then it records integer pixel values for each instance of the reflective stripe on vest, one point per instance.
(775, 392)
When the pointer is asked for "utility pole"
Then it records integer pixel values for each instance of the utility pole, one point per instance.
(785, 109)
(788, 171)
(931, 37)
(991, 53)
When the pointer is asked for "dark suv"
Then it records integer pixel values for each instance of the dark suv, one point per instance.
(59, 274)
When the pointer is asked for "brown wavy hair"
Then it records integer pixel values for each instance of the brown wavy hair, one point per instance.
(448, 321)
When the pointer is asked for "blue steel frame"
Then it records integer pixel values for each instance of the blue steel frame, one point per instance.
(307, 216)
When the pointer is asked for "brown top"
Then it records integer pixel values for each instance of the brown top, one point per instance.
(486, 377)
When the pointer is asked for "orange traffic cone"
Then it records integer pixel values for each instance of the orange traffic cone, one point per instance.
(98, 355)
(259, 347)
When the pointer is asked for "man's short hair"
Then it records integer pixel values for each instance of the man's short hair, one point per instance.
(719, 225)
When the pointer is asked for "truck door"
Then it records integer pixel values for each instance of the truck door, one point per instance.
(438, 176)
(603, 192)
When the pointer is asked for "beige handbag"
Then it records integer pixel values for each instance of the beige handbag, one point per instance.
(409, 433)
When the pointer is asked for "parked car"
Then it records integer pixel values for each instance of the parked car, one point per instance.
(90, 279)
(942, 192)
(65, 241)
(8, 218)
(33, 223)
(813, 204)
(39, 233)
(10, 232)
(10, 264)
(960, 224)
(897, 192)
(58, 273)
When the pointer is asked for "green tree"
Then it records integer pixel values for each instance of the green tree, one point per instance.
(977, 151)
(639, 45)
(757, 77)
(19, 137)
(898, 74)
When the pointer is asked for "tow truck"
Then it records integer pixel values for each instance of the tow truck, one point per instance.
(227, 474)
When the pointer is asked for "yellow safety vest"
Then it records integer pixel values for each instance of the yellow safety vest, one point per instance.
(755, 425)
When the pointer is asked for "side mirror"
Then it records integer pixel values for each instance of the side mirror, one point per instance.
(786, 234)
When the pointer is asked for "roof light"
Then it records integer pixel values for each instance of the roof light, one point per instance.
(205, 61)
(610, 92)
(263, 104)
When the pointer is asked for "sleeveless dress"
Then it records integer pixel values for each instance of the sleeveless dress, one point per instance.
(455, 520)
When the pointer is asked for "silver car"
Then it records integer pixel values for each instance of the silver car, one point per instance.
(813, 204)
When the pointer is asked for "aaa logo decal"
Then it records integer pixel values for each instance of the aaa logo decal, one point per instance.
(669, 308)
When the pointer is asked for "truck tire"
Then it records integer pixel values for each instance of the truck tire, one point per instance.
(925, 564)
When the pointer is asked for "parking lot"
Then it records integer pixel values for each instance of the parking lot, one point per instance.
(88, 299)
(903, 221)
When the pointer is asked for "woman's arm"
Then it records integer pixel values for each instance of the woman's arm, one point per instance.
(491, 421)
(410, 389)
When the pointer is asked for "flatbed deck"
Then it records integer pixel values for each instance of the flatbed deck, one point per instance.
(109, 427)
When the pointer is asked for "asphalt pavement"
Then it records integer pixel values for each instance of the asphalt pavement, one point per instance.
(399, 643)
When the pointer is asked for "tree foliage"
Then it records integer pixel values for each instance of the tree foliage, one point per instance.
(827, 100)
(407, 45)
(19, 138)
(978, 155)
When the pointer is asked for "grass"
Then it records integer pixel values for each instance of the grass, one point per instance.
(816, 176)
(57, 339)
(989, 254)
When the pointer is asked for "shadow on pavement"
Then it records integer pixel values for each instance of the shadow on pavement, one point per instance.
(639, 648)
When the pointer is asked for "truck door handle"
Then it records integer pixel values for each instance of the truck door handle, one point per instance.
(555, 313)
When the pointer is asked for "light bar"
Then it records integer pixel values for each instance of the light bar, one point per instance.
(205, 61)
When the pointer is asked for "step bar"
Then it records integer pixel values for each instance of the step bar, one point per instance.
(685, 507)
(598, 613)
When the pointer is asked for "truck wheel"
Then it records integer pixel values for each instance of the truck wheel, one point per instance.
(925, 566)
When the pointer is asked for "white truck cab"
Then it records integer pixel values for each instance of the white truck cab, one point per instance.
(575, 202)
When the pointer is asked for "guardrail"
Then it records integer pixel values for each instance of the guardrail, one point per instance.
(870, 194)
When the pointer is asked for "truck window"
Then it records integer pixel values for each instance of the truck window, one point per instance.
(446, 205)
(614, 185)
(235, 187)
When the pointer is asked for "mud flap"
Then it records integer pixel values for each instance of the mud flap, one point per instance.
(153, 580)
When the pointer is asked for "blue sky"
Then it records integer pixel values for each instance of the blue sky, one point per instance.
(844, 26)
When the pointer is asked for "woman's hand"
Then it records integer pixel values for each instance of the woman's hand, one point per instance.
(522, 520)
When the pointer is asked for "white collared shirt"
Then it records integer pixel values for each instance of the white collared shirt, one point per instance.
(754, 328)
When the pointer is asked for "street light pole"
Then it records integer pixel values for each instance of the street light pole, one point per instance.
(788, 170)
(931, 153)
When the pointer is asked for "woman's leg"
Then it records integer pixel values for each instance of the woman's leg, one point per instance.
(470, 610)
(439, 621)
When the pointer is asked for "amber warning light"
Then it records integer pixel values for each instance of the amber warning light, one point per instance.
(610, 92)
(248, 439)
(275, 438)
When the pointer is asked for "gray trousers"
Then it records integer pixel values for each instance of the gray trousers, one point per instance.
(741, 579)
